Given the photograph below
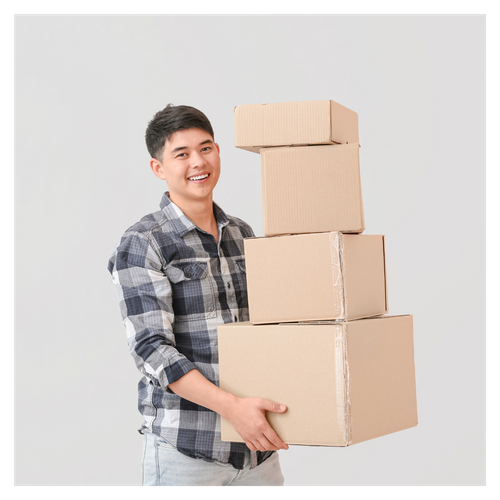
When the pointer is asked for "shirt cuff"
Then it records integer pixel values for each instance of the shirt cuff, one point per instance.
(176, 370)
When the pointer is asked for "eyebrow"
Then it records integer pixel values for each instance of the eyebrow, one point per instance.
(180, 148)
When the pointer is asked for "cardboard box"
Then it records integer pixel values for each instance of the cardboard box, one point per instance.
(342, 382)
(317, 276)
(303, 123)
(312, 189)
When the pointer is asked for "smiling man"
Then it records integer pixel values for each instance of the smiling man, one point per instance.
(191, 166)
(179, 273)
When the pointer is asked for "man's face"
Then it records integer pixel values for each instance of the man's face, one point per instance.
(191, 165)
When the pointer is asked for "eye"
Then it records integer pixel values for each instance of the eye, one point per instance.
(206, 148)
(180, 155)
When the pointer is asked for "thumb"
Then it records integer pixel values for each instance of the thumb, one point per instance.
(274, 407)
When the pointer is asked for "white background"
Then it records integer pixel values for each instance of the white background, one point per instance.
(85, 89)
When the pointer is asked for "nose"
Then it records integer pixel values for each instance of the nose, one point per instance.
(198, 160)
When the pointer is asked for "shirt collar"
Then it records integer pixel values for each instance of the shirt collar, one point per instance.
(181, 222)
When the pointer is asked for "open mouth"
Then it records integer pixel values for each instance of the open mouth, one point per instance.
(198, 177)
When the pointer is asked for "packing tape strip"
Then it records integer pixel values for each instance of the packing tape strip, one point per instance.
(338, 270)
(342, 385)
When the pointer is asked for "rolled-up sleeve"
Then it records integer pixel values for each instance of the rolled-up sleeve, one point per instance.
(145, 297)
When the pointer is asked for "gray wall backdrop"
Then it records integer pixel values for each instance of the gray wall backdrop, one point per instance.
(86, 87)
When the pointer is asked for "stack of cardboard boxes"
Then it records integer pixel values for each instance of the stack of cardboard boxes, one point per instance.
(317, 340)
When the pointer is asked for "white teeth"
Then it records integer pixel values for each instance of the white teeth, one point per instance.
(198, 177)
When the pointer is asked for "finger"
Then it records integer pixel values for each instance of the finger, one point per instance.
(272, 406)
(274, 439)
(264, 444)
(261, 443)
(251, 446)
(269, 431)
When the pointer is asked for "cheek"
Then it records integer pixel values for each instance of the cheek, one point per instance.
(216, 174)
(217, 169)
(178, 175)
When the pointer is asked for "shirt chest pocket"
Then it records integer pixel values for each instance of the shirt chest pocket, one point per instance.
(241, 276)
(193, 291)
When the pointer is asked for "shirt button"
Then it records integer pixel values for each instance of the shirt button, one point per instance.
(188, 275)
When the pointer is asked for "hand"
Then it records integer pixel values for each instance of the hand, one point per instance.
(248, 417)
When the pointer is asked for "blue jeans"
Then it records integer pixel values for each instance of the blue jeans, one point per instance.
(163, 465)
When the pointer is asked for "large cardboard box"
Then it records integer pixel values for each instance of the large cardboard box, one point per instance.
(312, 189)
(317, 276)
(302, 123)
(342, 383)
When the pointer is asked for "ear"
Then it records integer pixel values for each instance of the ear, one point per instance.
(157, 168)
(217, 146)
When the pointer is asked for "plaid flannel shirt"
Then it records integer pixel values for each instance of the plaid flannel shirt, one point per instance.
(175, 286)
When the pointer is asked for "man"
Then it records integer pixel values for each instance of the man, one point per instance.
(180, 272)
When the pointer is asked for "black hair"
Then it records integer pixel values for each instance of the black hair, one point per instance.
(170, 120)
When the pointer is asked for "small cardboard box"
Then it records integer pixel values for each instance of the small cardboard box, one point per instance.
(312, 189)
(315, 277)
(302, 123)
(342, 382)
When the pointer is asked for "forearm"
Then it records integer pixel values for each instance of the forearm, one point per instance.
(194, 387)
(246, 415)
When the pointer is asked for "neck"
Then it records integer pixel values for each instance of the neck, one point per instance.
(199, 211)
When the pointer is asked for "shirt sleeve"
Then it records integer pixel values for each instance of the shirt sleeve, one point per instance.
(145, 297)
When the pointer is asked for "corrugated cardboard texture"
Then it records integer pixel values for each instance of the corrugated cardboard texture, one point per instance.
(343, 382)
(289, 364)
(312, 189)
(293, 124)
(301, 277)
(381, 376)
(291, 278)
(364, 275)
